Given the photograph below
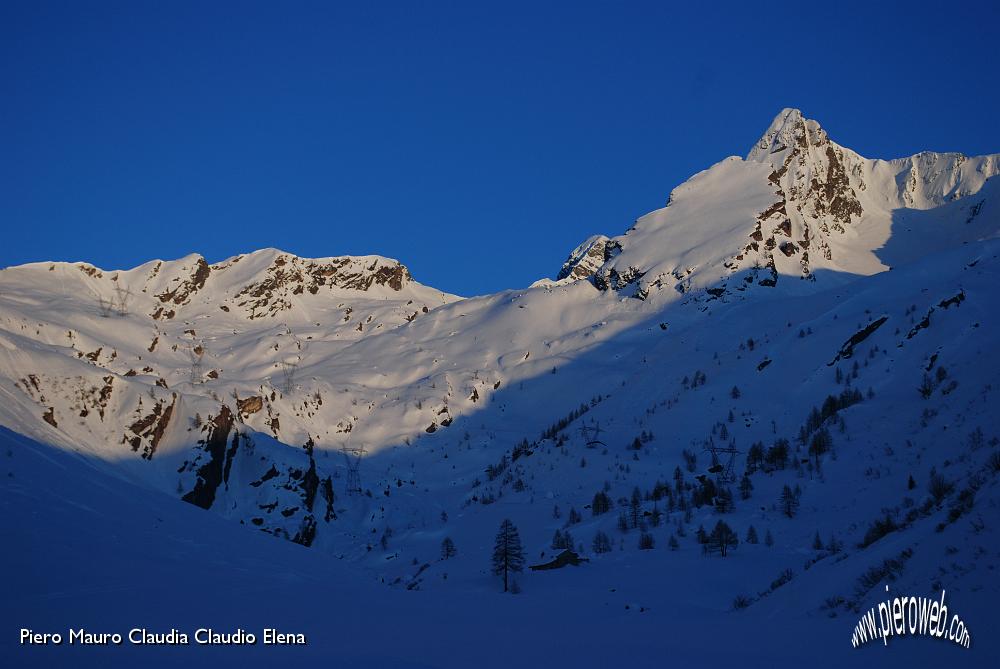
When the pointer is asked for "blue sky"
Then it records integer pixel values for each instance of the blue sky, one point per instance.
(476, 142)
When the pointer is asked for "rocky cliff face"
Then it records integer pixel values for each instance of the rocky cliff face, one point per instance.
(275, 282)
(587, 258)
(289, 276)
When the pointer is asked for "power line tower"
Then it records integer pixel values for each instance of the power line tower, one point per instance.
(123, 296)
(725, 473)
(290, 365)
(105, 304)
(352, 456)
(288, 371)
(196, 351)
(118, 303)
(591, 434)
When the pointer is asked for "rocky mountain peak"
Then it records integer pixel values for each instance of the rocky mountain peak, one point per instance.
(587, 258)
(797, 203)
(788, 129)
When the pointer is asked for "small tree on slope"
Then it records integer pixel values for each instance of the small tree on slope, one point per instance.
(788, 502)
(507, 553)
(722, 539)
(448, 549)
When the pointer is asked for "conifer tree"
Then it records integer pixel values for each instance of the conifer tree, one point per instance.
(701, 535)
(755, 457)
(601, 544)
(724, 501)
(789, 502)
(508, 555)
(821, 443)
(448, 549)
(600, 504)
(655, 516)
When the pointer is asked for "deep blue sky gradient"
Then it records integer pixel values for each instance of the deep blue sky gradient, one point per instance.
(476, 142)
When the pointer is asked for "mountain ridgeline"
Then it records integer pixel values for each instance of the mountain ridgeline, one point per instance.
(338, 403)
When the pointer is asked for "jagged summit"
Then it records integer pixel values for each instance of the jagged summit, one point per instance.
(586, 258)
(787, 129)
(265, 283)
(798, 205)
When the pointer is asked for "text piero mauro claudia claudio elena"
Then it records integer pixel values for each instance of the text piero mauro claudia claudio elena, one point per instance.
(141, 636)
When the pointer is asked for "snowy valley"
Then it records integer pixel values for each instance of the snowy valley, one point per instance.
(801, 347)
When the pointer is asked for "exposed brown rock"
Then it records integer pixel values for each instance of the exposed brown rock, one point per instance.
(788, 248)
(210, 474)
(250, 405)
(151, 428)
(182, 292)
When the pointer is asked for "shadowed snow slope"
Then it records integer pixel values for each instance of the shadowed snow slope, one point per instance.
(757, 313)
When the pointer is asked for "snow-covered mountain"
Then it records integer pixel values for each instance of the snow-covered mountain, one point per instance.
(803, 290)
(798, 207)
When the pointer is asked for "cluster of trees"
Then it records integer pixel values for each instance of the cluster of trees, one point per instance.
(562, 540)
(681, 496)
(601, 543)
(704, 494)
(643, 438)
(831, 405)
(493, 471)
(724, 501)
(523, 448)
(774, 457)
(697, 379)
(721, 540)
(553, 430)
(601, 503)
(820, 443)
(752, 537)
(928, 384)
(661, 490)
(690, 459)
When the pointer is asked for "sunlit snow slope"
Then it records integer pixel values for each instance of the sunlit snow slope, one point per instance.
(802, 291)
